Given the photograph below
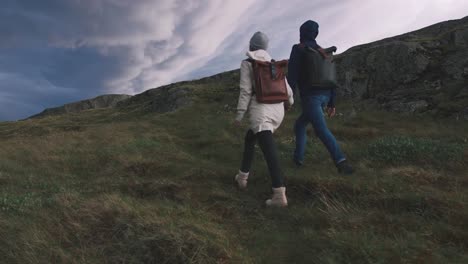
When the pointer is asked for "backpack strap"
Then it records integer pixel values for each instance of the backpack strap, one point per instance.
(251, 62)
(321, 51)
(273, 69)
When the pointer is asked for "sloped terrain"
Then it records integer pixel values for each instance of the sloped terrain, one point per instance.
(133, 185)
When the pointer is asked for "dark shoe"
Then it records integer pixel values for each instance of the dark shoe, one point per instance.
(344, 168)
(297, 162)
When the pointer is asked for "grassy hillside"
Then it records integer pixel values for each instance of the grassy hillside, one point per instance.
(130, 186)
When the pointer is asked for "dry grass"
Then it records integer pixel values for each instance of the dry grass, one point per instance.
(114, 187)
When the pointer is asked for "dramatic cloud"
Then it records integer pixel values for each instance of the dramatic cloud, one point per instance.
(57, 51)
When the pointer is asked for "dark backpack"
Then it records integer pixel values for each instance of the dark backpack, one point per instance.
(316, 68)
(270, 82)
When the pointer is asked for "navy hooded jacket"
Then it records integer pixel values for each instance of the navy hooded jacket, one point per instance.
(308, 33)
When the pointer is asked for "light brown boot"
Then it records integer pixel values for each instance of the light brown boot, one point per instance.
(241, 179)
(279, 198)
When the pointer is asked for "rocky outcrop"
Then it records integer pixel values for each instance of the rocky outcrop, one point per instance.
(103, 101)
(421, 71)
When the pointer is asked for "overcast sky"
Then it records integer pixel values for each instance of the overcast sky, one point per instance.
(54, 52)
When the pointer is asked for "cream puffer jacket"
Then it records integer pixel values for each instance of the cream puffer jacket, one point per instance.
(261, 116)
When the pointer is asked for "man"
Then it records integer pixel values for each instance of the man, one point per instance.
(314, 98)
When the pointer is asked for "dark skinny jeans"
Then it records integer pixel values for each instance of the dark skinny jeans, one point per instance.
(268, 147)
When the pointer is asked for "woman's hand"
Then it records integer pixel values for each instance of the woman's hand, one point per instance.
(237, 122)
(331, 111)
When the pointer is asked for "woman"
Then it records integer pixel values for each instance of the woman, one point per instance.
(264, 120)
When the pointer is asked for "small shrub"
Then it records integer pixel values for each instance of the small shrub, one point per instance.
(398, 150)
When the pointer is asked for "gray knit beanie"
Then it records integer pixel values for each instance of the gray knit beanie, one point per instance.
(258, 41)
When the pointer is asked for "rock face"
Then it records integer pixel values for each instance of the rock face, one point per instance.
(103, 101)
(421, 71)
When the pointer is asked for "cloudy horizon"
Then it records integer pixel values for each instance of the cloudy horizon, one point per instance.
(59, 51)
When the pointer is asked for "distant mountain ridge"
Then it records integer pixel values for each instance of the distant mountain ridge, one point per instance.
(424, 71)
(103, 101)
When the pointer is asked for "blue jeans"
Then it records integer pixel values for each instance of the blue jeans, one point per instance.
(312, 112)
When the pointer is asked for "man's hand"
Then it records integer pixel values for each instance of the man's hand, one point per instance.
(287, 106)
(237, 123)
(331, 111)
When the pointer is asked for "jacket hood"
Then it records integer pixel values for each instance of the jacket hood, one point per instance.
(258, 41)
(260, 55)
(309, 31)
